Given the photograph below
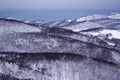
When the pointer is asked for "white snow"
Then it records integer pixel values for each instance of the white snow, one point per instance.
(21, 41)
(98, 16)
(114, 33)
(12, 18)
(19, 29)
(91, 17)
(69, 20)
(109, 43)
(38, 21)
(114, 16)
(6, 26)
(93, 33)
(83, 26)
(116, 57)
(26, 21)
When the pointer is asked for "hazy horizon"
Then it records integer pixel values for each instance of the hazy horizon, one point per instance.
(51, 15)
(56, 9)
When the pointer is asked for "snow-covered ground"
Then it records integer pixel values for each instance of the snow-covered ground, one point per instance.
(14, 26)
(114, 33)
(83, 26)
(114, 16)
(99, 16)
(91, 17)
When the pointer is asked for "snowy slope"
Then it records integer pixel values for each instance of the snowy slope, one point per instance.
(83, 26)
(9, 25)
(114, 16)
(91, 17)
(113, 33)
(98, 16)
(95, 21)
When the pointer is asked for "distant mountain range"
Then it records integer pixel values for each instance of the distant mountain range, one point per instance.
(101, 31)
(95, 36)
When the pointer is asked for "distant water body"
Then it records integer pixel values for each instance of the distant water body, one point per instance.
(50, 15)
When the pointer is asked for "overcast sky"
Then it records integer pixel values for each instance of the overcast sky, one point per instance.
(60, 4)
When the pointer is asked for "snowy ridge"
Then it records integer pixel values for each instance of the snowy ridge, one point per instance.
(83, 26)
(114, 16)
(9, 25)
(69, 20)
(87, 22)
(98, 16)
(87, 18)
